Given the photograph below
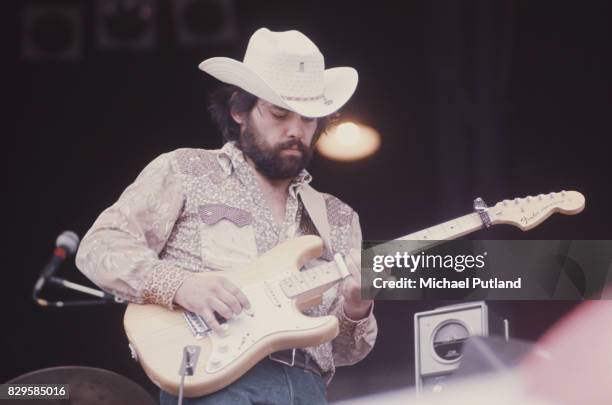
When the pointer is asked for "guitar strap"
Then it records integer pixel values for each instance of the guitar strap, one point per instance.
(317, 210)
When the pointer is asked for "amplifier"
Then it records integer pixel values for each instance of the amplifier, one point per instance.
(439, 336)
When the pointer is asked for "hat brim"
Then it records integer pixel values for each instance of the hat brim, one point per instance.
(339, 86)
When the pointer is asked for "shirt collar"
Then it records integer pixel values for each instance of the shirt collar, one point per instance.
(230, 158)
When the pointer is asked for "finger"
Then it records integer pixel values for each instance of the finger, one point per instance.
(354, 270)
(351, 282)
(354, 262)
(219, 306)
(237, 292)
(355, 255)
(353, 295)
(230, 300)
(210, 319)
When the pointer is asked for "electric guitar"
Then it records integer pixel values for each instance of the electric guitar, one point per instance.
(172, 344)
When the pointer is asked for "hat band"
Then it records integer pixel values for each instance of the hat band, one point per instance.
(314, 98)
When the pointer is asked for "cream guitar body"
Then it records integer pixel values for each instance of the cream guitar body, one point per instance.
(278, 291)
(274, 322)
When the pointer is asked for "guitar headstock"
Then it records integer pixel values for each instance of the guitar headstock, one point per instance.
(528, 212)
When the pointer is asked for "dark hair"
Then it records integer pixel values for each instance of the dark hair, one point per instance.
(229, 98)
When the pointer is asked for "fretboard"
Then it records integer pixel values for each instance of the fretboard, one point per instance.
(452, 229)
(327, 273)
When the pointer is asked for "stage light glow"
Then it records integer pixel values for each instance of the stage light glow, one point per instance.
(349, 141)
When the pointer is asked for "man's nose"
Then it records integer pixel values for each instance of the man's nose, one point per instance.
(296, 127)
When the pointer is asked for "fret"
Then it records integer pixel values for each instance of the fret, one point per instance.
(437, 233)
(464, 223)
(310, 279)
(452, 227)
(460, 226)
(414, 236)
(471, 223)
(447, 230)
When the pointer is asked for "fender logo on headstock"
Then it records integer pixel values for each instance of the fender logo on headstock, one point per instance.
(527, 219)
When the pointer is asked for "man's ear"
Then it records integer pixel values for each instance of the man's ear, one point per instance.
(237, 117)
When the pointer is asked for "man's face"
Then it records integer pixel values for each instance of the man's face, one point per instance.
(278, 141)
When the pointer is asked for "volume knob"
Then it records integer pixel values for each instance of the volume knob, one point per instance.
(224, 330)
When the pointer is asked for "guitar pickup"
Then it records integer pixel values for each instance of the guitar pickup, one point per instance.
(196, 324)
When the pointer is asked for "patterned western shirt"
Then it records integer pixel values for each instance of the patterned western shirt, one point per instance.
(194, 210)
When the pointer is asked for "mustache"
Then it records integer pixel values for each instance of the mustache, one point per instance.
(292, 144)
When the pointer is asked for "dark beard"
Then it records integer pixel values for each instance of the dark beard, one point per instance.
(270, 161)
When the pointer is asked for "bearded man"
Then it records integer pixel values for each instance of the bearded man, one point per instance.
(193, 214)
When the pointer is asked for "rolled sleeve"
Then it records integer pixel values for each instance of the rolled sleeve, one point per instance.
(355, 339)
(120, 253)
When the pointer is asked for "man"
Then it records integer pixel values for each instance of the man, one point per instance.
(193, 214)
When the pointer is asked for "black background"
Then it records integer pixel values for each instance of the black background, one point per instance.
(493, 99)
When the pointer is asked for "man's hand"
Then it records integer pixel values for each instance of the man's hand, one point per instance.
(354, 307)
(205, 294)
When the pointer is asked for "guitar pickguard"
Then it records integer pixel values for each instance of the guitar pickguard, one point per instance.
(271, 313)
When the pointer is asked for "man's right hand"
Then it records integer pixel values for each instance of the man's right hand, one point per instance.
(205, 294)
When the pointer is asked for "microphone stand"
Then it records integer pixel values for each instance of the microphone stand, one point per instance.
(103, 298)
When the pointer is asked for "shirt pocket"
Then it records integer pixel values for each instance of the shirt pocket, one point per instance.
(227, 237)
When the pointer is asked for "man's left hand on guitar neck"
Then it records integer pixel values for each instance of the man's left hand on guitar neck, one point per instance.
(354, 307)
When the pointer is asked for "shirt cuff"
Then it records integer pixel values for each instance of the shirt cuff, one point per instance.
(351, 327)
(162, 283)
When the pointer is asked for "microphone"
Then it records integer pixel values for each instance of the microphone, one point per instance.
(65, 245)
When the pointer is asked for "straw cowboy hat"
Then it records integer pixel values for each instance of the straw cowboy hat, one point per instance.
(288, 70)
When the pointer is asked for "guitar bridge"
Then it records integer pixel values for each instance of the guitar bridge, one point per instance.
(196, 324)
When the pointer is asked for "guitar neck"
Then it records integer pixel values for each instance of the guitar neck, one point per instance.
(329, 273)
(448, 230)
